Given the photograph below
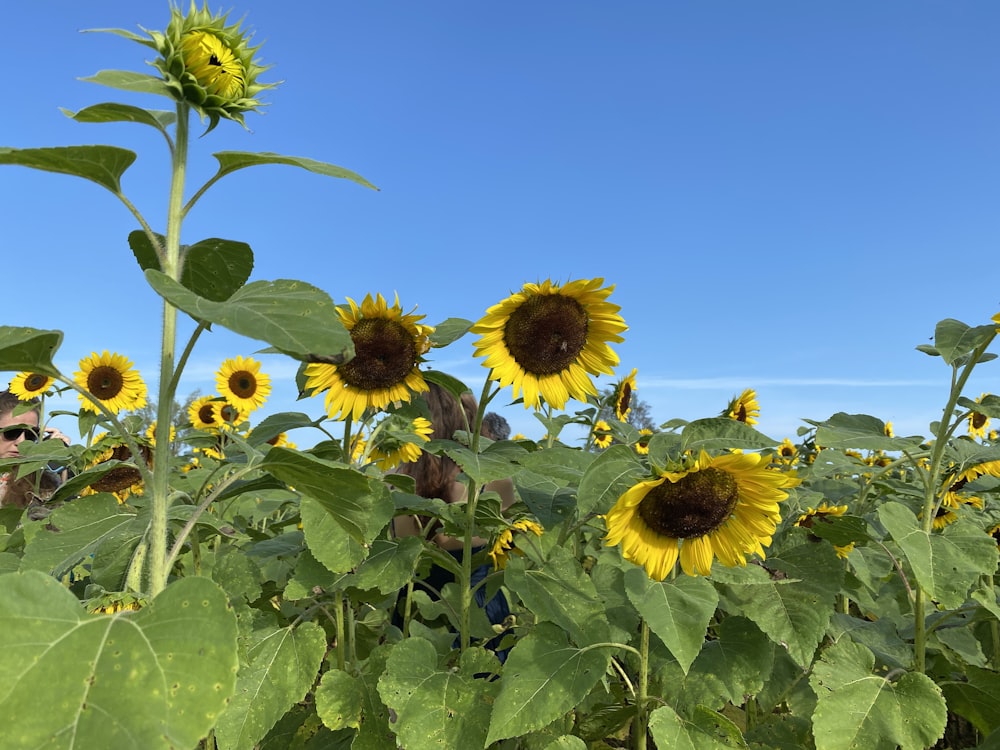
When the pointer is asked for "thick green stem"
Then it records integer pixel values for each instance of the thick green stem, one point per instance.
(641, 723)
(171, 266)
(339, 622)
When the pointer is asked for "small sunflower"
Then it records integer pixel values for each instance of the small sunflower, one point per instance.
(151, 434)
(602, 434)
(808, 519)
(642, 444)
(401, 446)
(202, 414)
(242, 384)
(623, 396)
(29, 385)
(504, 544)
(228, 416)
(888, 430)
(388, 348)
(719, 506)
(110, 379)
(281, 441)
(547, 339)
(787, 451)
(744, 408)
(979, 424)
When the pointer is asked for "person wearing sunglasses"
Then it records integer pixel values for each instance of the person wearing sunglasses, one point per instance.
(17, 427)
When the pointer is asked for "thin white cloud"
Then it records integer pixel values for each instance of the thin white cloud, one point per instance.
(739, 383)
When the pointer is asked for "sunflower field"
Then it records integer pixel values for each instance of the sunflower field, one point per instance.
(201, 582)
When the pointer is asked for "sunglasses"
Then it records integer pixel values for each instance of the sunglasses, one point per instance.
(11, 434)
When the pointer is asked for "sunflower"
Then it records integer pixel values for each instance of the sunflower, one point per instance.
(623, 396)
(28, 385)
(388, 348)
(979, 424)
(787, 451)
(544, 340)
(744, 408)
(888, 430)
(602, 434)
(228, 416)
(125, 479)
(202, 414)
(242, 384)
(281, 441)
(504, 544)
(642, 444)
(719, 506)
(111, 381)
(954, 497)
(395, 447)
(994, 531)
(151, 433)
(808, 519)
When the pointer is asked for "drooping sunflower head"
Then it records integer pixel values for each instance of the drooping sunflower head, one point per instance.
(623, 396)
(242, 384)
(547, 340)
(602, 434)
(717, 506)
(281, 441)
(110, 380)
(503, 545)
(744, 408)
(124, 479)
(388, 349)
(29, 385)
(979, 424)
(210, 64)
(399, 441)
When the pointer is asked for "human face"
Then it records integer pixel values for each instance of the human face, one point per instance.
(8, 448)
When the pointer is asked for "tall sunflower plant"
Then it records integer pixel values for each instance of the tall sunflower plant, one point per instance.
(201, 582)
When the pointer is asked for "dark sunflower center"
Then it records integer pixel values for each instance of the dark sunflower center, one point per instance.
(695, 505)
(546, 333)
(121, 477)
(105, 382)
(978, 420)
(243, 384)
(229, 413)
(34, 382)
(384, 354)
(741, 413)
(786, 451)
(205, 413)
(624, 398)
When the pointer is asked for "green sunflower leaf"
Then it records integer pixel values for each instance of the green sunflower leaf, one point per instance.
(281, 666)
(214, 268)
(549, 501)
(976, 698)
(29, 349)
(104, 165)
(946, 564)
(706, 730)
(345, 698)
(859, 431)
(360, 505)
(74, 531)
(275, 424)
(840, 530)
(129, 80)
(230, 161)
(677, 611)
(115, 112)
(954, 339)
(389, 565)
(149, 679)
(294, 317)
(715, 433)
(566, 742)
(559, 591)
(544, 678)
(859, 709)
(436, 707)
(607, 479)
(790, 597)
(449, 331)
(734, 664)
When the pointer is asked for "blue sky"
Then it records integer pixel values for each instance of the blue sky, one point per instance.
(787, 196)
